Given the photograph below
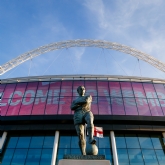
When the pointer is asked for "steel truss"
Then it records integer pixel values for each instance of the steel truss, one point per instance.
(81, 43)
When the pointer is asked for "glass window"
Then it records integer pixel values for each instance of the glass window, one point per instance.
(7, 156)
(103, 89)
(46, 157)
(104, 142)
(120, 141)
(145, 141)
(149, 157)
(90, 87)
(31, 89)
(160, 156)
(54, 88)
(23, 142)
(135, 157)
(48, 142)
(42, 90)
(157, 141)
(138, 90)
(61, 153)
(122, 157)
(4, 106)
(12, 142)
(115, 90)
(76, 84)
(160, 90)
(19, 90)
(132, 141)
(2, 87)
(162, 103)
(66, 88)
(37, 142)
(33, 157)
(107, 153)
(19, 157)
(64, 141)
(150, 90)
(104, 105)
(8, 92)
(74, 142)
(64, 105)
(126, 89)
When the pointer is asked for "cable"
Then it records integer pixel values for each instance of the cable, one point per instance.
(105, 60)
(30, 66)
(140, 68)
(135, 67)
(34, 67)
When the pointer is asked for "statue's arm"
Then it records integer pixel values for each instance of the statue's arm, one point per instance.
(74, 105)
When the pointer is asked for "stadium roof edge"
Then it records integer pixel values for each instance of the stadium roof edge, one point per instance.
(82, 77)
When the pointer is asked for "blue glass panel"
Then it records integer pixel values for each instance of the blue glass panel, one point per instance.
(120, 141)
(7, 157)
(12, 142)
(23, 142)
(107, 153)
(149, 157)
(46, 157)
(157, 142)
(145, 141)
(75, 151)
(135, 157)
(48, 142)
(64, 141)
(104, 142)
(61, 153)
(19, 157)
(33, 157)
(132, 141)
(122, 156)
(74, 142)
(37, 142)
(160, 156)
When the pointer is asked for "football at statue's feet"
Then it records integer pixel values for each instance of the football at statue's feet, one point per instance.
(91, 149)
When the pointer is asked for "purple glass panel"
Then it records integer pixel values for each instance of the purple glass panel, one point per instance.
(115, 90)
(14, 107)
(91, 88)
(42, 90)
(76, 84)
(27, 105)
(162, 103)
(143, 107)
(31, 89)
(66, 88)
(126, 89)
(39, 106)
(54, 88)
(19, 90)
(130, 106)
(4, 106)
(138, 90)
(8, 92)
(103, 89)
(104, 105)
(64, 105)
(94, 106)
(155, 107)
(117, 106)
(150, 91)
(160, 90)
(51, 105)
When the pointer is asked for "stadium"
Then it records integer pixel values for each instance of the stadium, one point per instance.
(37, 123)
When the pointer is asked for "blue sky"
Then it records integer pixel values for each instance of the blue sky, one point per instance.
(29, 24)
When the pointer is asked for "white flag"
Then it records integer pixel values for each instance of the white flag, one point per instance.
(98, 132)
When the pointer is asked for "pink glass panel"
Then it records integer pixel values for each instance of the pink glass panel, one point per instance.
(51, 105)
(91, 88)
(54, 88)
(155, 107)
(19, 90)
(130, 106)
(104, 105)
(117, 106)
(27, 105)
(143, 107)
(8, 93)
(42, 90)
(150, 91)
(66, 88)
(14, 107)
(64, 105)
(160, 90)
(2, 87)
(103, 89)
(4, 106)
(138, 90)
(126, 89)
(94, 106)
(162, 104)
(39, 106)
(115, 89)
(76, 84)
(31, 89)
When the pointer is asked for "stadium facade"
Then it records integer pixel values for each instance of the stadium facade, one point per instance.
(37, 123)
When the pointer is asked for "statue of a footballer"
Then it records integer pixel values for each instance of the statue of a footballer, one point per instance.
(82, 114)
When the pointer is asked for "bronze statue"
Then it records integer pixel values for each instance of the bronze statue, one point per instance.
(82, 114)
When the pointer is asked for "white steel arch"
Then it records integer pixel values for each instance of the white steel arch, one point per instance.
(81, 43)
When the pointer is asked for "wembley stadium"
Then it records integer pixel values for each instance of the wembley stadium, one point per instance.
(37, 122)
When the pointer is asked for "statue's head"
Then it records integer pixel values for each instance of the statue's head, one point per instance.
(81, 90)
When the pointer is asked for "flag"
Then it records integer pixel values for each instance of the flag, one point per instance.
(98, 132)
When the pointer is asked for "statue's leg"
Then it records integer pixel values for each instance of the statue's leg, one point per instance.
(90, 127)
(82, 142)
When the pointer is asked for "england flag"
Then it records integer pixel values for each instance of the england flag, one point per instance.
(98, 132)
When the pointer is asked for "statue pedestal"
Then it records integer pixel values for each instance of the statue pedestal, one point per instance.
(84, 160)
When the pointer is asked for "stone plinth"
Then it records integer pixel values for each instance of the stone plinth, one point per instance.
(83, 162)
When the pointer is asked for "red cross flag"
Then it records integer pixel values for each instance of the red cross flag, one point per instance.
(98, 132)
